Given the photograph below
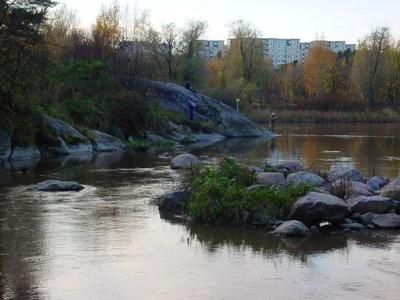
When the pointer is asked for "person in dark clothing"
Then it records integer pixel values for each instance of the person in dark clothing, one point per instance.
(192, 106)
(191, 103)
(272, 122)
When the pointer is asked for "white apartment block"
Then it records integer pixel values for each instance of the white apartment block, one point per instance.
(210, 49)
(334, 46)
(281, 51)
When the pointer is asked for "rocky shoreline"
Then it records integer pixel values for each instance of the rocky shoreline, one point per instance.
(342, 199)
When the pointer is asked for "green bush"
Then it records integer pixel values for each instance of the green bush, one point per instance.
(220, 194)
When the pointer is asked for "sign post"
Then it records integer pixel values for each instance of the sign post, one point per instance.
(237, 104)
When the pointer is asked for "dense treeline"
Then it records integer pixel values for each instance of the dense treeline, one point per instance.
(48, 64)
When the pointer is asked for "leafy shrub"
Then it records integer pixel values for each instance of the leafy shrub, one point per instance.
(220, 194)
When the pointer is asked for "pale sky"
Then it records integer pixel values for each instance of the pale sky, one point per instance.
(346, 20)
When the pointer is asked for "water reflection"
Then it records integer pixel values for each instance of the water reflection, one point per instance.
(108, 242)
(373, 148)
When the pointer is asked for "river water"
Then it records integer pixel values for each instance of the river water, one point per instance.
(109, 242)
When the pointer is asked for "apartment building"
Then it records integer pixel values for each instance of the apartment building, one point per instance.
(210, 49)
(334, 46)
(281, 51)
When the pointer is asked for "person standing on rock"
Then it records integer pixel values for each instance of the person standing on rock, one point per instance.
(272, 122)
(191, 103)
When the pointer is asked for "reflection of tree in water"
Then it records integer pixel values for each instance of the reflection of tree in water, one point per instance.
(272, 247)
(21, 246)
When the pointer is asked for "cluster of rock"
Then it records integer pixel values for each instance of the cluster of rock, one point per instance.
(371, 204)
(60, 139)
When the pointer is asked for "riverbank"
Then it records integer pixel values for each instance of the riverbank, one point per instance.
(286, 198)
(316, 116)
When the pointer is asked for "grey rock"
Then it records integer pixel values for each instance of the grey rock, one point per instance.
(260, 218)
(104, 142)
(172, 202)
(271, 179)
(183, 161)
(153, 138)
(391, 190)
(292, 228)
(390, 220)
(353, 226)
(306, 178)
(373, 204)
(377, 182)
(291, 167)
(315, 208)
(24, 153)
(59, 186)
(366, 218)
(344, 171)
(67, 139)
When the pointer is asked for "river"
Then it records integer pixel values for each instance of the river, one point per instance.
(109, 242)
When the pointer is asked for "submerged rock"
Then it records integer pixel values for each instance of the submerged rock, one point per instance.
(292, 228)
(184, 161)
(103, 142)
(59, 186)
(392, 190)
(306, 178)
(271, 179)
(344, 171)
(315, 208)
(373, 204)
(24, 153)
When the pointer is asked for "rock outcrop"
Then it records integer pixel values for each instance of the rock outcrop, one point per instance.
(225, 120)
(63, 139)
(316, 207)
(377, 182)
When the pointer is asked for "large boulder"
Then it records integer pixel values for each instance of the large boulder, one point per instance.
(184, 161)
(224, 119)
(377, 182)
(315, 208)
(392, 190)
(62, 139)
(103, 142)
(374, 204)
(344, 171)
(292, 228)
(271, 179)
(305, 178)
(173, 202)
(386, 221)
(24, 153)
(59, 186)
